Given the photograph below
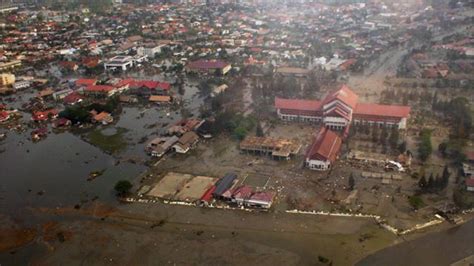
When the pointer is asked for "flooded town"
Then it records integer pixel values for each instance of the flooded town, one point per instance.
(258, 132)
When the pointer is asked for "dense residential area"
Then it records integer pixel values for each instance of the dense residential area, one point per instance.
(281, 132)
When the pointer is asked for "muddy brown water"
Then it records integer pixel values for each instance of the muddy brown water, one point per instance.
(53, 172)
(440, 248)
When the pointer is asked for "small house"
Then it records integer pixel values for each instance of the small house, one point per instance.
(187, 141)
(160, 99)
(103, 117)
(159, 146)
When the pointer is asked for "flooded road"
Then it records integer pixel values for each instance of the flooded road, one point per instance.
(440, 248)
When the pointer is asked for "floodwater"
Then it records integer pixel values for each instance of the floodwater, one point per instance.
(440, 248)
(54, 171)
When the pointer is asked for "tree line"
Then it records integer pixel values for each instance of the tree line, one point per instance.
(434, 183)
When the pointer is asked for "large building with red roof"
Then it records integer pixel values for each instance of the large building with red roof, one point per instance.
(341, 108)
(209, 66)
(324, 150)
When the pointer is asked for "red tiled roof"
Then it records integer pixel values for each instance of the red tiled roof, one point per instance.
(72, 98)
(44, 115)
(99, 88)
(90, 61)
(372, 109)
(347, 64)
(242, 192)
(207, 196)
(85, 82)
(68, 64)
(207, 64)
(4, 115)
(339, 111)
(469, 155)
(150, 84)
(343, 94)
(470, 182)
(325, 146)
(294, 104)
(263, 196)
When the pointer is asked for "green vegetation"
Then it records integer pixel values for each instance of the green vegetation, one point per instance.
(111, 144)
(434, 184)
(416, 202)
(110, 106)
(77, 114)
(424, 147)
(123, 187)
(81, 113)
(235, 124)
(458, 111)
(453, 149)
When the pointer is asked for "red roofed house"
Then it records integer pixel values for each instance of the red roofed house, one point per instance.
(45, 115)
(298, 110)
(469, 156)
(102, 117)
(263, 199)
(4, 116)
(241, 194)
(337, 108)
(69, 65)
(246, 196)
(341, 108)
(389, 115)
(209, 66)
(323, 151)
(73, 98)
(101, 90)
(469, 184)
(85, 82)
(149, 87)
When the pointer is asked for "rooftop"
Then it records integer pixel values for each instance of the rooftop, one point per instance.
(325, 146)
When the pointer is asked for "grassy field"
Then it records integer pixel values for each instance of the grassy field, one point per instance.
(109, 143)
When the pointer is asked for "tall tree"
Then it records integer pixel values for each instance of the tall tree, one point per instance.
(424, 146)
(422, 184)
(351, 182)
(445, 177)
(431, 182)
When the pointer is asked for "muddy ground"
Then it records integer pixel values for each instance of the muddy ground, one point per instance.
(164, 234)
(296, 186)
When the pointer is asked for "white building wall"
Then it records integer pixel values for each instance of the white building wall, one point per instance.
(318, 165)
(301, 118)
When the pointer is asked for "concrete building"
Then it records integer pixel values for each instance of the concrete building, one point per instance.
(10, 65)
(150, 50)
(218, 67)
(119, 62)
(23, 84)
(7, 79)
(341, 108)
